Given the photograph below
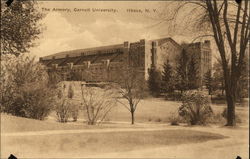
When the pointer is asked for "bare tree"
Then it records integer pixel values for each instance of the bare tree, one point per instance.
(240, 25)
(64, 103)
(97, 103)
(228, 23)
(131, 88)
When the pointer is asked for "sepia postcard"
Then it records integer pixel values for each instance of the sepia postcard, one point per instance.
(125, 79)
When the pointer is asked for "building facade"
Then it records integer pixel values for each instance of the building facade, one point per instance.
(102, 64)
(203, 55)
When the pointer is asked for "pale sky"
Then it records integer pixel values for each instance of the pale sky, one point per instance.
(77, 30)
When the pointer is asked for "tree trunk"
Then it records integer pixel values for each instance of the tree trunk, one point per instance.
(132, 117)
(231, 98)
(230, 111)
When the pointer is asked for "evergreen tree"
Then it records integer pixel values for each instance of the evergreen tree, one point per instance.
(192, 74)
(209, 81)
(168, 78)
(242, 90)
(154, 81)
(218, 77)
(182, 71)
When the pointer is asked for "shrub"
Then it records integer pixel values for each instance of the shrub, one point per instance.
(24, 88)
(195, 108)
(63, 110)
(174, 119)
(97, 103)
(74, 111)
(33, 102)
(75, 116)
(158, 120)
(65, 106)
(149, 119)
(216, 119)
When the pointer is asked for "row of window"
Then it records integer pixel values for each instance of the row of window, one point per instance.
(96, 69)
(102, 52)
(206, 56)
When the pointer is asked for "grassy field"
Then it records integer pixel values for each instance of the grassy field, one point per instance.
(80, 145)
(157, 110)
(88, 144)
(153, 110)
(11, 124)
(150, 111)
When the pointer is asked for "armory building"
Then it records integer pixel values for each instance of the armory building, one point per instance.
(102, 64)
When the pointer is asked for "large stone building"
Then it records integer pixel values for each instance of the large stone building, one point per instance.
(203, 55)
(104, 63)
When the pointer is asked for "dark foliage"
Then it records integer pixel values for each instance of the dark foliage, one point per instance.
(195, 108)
(168, 78)
(32, 102)
(154, 82)
(219, 83)
(19, 26)
(182, 71)
(54, 78)
(24, 88)
(209, 81)
(192, 74)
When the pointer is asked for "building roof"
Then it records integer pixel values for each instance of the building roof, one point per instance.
(79, 52)
(163, 40)
(99, 50)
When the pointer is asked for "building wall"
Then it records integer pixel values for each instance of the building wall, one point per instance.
(148, 58)
(206, 56)
(203, 55)
(167, 51)
(157, 52)
(105, 63)
(136, 58)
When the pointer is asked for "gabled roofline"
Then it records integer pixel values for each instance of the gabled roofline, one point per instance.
(168, 39)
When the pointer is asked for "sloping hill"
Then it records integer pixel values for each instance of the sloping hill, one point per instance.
(18, 124)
